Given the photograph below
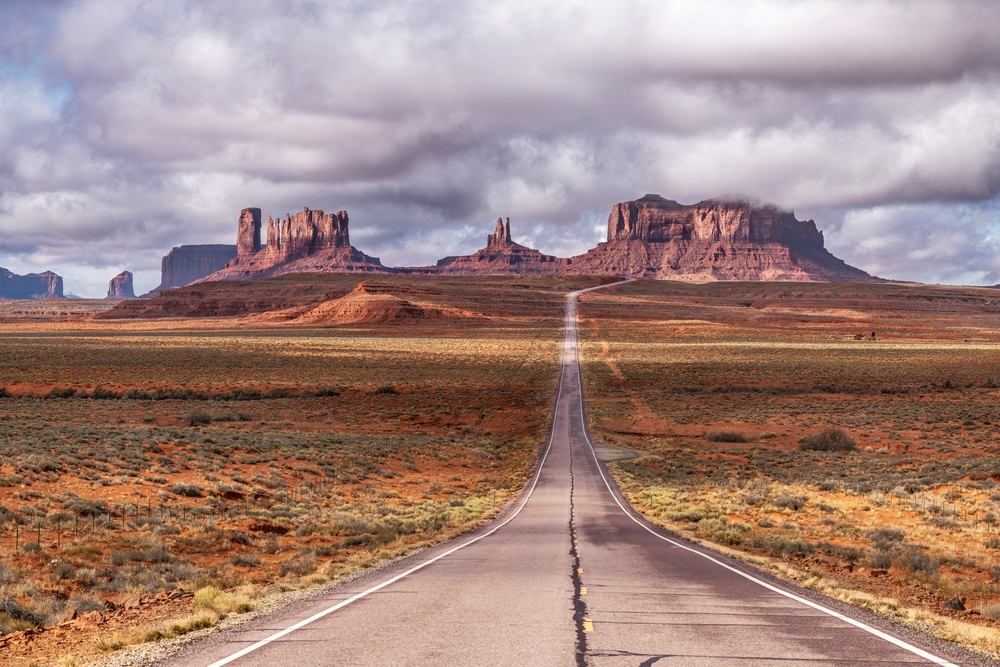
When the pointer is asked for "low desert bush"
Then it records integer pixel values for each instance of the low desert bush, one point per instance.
(299, 566)
(780, 544)
(222, 603)
(248, 560)
(198, 417)
(785, 501)
(729, 435)
(883, 538)
(114, 643)
(190, 490)
(990, 610)
(830, 439)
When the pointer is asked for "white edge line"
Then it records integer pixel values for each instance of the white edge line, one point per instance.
(809, 603)
(329, 610)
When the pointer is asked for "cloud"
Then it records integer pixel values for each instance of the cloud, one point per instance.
(128, 127)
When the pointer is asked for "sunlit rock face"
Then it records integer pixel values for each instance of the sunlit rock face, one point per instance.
(716, 239)
(309, 241)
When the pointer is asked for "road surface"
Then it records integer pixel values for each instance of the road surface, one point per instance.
(568, 577)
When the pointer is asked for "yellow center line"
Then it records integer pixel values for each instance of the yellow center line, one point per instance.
(588, 625)
(583, 590)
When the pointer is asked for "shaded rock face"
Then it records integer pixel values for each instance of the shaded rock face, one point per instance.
(500, 257)
(712, 240)
(248, 232)
(187, 263)
(45, 285)
(120, 286)
(309, 241)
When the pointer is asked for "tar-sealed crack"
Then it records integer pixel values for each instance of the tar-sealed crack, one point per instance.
(579, 607)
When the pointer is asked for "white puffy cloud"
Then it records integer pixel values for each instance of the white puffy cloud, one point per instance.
(128, 126)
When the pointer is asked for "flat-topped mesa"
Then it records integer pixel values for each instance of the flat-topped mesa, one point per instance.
(45, 285)
(653, 218)
(716, 239)
(309, 241)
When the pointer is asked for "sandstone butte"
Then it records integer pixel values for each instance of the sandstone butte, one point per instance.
(309, 241)
(650, 237)
(45, 285)
(500, 257)
(120, 286)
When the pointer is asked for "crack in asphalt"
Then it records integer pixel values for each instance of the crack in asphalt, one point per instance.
(579, 606)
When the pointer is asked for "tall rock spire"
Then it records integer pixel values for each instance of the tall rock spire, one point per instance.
(500, 237)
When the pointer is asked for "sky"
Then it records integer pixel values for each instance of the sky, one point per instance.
(131, 126)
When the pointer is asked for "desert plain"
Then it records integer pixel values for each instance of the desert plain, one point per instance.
(169, 463)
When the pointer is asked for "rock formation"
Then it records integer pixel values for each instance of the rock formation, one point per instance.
(309, 241)
(187, 263)
(712, 240)
(45, 285)
(651, 237)
(120, 286)
(502, 257)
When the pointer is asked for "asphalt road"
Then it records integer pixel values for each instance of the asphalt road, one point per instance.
(567, 577)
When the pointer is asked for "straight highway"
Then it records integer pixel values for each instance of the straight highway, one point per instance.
(568, 576)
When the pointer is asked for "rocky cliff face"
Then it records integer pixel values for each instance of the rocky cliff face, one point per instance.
(309, 241)
(653, 218)
(187, 263)
(45, 285)
(500, 257)
(713, 240)
(120, 286)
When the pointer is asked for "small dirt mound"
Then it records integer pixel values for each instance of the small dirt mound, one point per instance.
(369, 302)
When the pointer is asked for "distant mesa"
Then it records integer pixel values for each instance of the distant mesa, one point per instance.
(45, 285)
(120, 286)
(187, 263)
(715, 239)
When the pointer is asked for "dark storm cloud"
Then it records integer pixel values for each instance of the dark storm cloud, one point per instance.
(127, 127)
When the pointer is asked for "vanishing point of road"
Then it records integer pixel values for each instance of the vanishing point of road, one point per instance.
(568, 576)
